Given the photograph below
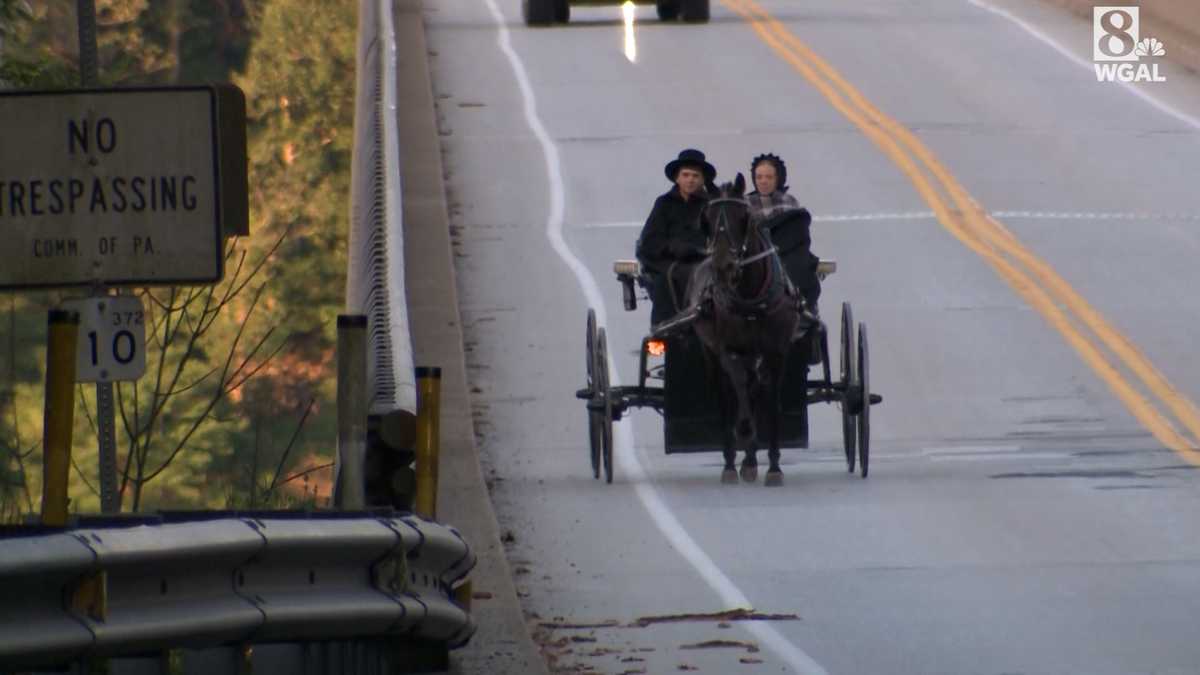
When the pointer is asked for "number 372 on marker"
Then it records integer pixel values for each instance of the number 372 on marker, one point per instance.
(112, 338)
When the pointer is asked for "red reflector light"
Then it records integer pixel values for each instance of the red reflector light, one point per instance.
(656, 347)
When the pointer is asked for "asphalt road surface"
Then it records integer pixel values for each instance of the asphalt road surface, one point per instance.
(1020, 240)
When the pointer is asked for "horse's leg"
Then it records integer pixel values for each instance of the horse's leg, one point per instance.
(748, 422)
(744, 429)
(750, 463)
(776, 355)
(714, 366)
(750, 444)
(729, 473)
(775, 412)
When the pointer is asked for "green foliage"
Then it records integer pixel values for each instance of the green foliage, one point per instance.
(237, 406)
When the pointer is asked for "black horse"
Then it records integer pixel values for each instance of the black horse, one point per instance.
(747, 321)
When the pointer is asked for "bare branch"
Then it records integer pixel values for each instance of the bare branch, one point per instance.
(195, 383)
(82, 477)
(262, 364)
(267, 256)
(87, 412)
(304, 473)
(292, 441)
(217, 396)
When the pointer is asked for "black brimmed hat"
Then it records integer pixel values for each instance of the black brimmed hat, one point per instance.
(691, 157)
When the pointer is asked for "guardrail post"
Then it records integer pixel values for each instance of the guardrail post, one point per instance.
(429, 386)
(352, 410)
(59, 416)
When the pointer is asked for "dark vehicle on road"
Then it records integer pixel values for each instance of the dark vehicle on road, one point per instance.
(547, 12)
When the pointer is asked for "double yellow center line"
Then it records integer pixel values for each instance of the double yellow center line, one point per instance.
(1096, 341)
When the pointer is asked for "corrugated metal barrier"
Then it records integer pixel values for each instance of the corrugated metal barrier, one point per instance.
(375, 278)
(193, 581)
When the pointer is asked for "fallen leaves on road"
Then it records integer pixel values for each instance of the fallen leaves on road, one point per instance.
(721, 644)
(557, 625)
(741, 614)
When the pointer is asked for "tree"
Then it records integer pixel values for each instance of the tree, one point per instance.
(198, 430)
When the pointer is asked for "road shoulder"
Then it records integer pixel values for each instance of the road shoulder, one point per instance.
(502, 643)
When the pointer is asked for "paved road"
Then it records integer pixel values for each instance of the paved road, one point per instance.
(1020, 240)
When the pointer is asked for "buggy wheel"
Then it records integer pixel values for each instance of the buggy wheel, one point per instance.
(595, 417)
(848, 370)
(864, 415)
(668, 10)
(604, 396)
(694, 11)
(538, 12)
(562, 11)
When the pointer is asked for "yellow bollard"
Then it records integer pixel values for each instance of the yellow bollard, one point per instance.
(429, 386)
(59, 417)
(463, 594)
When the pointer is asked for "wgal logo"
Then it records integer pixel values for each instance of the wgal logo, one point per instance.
(1117, 49)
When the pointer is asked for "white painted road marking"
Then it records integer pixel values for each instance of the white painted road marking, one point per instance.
(929, 215)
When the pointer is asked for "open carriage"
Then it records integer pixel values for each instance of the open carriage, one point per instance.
(673, 379)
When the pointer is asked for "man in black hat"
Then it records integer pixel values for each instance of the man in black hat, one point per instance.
(673, 240)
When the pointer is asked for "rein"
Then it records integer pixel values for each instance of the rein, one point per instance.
(758, 256)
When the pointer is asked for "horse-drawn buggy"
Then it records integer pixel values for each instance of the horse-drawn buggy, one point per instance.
(722, 372)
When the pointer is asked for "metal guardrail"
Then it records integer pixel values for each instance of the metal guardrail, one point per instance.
(375, 278)
(120, 589)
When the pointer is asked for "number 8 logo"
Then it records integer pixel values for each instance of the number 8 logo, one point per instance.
(1121, 33)
(1115, 33)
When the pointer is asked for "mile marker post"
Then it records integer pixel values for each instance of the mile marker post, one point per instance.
(106, 429)
(89, 70)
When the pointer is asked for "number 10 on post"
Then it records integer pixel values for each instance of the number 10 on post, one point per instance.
(112, 338)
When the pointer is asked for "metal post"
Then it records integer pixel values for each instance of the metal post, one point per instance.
(106, 430)
(89, 73)
(89, 68)
(351, 410)
(59, 416)
(429, 385)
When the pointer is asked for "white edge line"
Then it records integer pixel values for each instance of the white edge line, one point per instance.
(1148, 98)
(662, 516)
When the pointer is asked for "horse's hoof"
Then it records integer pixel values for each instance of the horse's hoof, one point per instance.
(774, 479)
(749, 474)
(729, 477)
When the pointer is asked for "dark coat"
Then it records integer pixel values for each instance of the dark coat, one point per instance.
(790, 233)
(673, 232)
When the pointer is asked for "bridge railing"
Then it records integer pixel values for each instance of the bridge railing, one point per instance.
(202, 580)
(375, 278)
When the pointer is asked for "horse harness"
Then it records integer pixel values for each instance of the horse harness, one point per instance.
(762, 305)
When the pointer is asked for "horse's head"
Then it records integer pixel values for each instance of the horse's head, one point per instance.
(727, 219)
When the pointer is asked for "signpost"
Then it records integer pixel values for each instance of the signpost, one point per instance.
(119, 187)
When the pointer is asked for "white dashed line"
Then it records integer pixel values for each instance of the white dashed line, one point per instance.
(929, 215)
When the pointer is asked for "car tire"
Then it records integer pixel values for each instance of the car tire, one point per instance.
(695, 11)
(562, 11)
(668, 10)
(538, 12)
